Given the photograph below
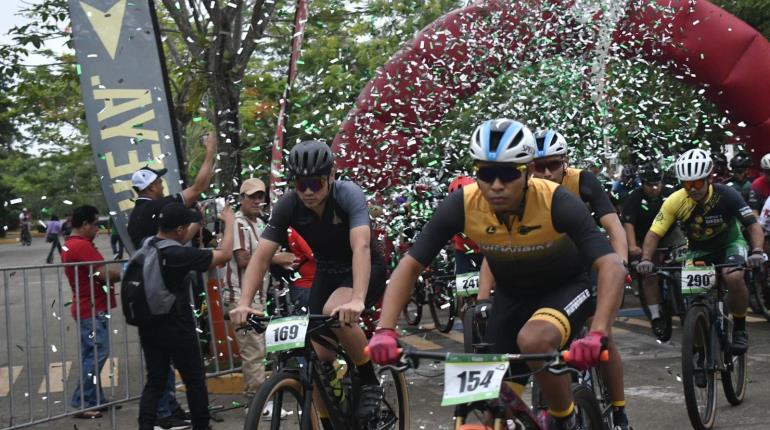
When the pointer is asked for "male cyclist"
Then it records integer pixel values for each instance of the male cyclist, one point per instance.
(710, 215)
(760, 188)
(640, 209)
(740, 180)
(333, 218)
(551, 164)
(468, 256)
(538, 241)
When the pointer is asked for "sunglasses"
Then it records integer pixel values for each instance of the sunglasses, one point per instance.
(315, 184)
(488, 174)
(694, 185)
(259, 195)
(552, 165)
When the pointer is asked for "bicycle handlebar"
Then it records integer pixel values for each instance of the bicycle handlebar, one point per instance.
(556, 358)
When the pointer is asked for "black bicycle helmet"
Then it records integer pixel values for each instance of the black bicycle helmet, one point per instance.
(310, 158)
(650, 172)
(740, 160)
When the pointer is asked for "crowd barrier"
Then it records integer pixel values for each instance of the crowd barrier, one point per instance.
(40, 358)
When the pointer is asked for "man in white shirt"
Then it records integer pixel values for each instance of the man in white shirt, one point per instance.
(248, 229)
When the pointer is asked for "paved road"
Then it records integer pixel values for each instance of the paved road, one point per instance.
(654, 393)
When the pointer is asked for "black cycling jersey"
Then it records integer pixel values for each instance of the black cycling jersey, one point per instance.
(743, 187)
(584, 184)
(328, 235)
(640, 210)
(553, 240)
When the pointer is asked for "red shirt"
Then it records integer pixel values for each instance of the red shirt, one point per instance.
(79, 249)
(761, 187)
(302, 251)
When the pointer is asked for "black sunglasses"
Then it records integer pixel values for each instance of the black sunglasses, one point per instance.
(552, 165)
(488, 174)
(315, 184)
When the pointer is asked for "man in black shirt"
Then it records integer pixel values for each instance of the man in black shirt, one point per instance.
(143, 223)
(172, 337)
(641, 207)
(148, 185)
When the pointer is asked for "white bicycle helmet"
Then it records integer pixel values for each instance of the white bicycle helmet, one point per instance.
(503, 141)
(550, 142)
(693, 165)
(764, 163)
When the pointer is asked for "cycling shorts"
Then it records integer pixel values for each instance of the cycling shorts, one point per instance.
(733, 252)
(325, 283)
(566, 308)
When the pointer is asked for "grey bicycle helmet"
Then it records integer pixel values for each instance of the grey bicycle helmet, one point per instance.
(310, 158)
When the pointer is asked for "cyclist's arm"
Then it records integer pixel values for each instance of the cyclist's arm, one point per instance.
(746, 217)
(650, 245)
(663, 221)
(486, 281)
(592, 192)
(611, 224)
(360, 238)
(448, 220)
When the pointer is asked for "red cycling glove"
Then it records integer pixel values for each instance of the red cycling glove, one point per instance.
(383, 346)
(585, 352)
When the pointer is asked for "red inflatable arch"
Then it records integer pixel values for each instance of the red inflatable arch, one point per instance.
(452, 57)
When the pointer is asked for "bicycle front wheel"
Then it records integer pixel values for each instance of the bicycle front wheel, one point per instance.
(278, 405)
(761, 293)
(588, 411)
(442, 306)
(735, 378)
(394, 409)
(698, 380)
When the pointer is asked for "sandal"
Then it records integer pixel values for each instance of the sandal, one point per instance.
(88, 415)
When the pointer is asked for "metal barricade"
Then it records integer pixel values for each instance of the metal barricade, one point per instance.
(42, 356)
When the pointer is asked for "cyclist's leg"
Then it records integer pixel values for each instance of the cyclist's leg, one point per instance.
(737, 299)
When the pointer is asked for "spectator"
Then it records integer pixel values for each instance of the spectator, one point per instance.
(52, 232)
(90, 308)
(248, 229)
(143, 223)
(172, 337)
(302, 279)
(25, 223)
(115, 242)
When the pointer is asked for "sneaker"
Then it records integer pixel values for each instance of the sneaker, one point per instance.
(740, 342)
(620, 419)
(181, 414)
(171, 423)
(267, 413)
(659, 329)
(371, 399)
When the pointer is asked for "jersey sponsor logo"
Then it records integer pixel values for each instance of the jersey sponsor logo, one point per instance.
(518, 249)
(525, 229)
(491, 229)
(745, 211)
(576, 302)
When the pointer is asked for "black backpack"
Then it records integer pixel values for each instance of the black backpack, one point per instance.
(133, 289)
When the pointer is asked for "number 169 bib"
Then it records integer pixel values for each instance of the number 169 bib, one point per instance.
(286, 333)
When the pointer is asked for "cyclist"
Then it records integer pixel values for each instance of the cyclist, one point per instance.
(468, 256)
(760, 188)
(538, 241)
(551, 163)
(640, 209)
(710, 215)
(333, 219)
(622, 187)
(721, 173)
(740, 180)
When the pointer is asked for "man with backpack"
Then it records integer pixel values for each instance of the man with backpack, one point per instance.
(167, 330)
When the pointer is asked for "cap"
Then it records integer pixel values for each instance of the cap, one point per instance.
(145, 176)
(175, 214)
(251, 186)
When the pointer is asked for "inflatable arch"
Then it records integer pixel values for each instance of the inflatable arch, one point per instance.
(421, 82)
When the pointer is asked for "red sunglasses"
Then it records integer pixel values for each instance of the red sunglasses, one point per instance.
(693, 185)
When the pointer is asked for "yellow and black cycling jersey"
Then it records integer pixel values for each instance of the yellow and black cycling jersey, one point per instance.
(710, 225)
(552, 240)
(584, 184)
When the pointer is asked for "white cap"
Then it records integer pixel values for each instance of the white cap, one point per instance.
(142, 178)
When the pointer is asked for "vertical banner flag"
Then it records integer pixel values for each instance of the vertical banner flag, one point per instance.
(128, 106)
(276, 166)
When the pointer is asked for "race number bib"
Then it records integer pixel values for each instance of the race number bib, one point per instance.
(468, 378)
(697, 279)
(286, 333)
(467, 284)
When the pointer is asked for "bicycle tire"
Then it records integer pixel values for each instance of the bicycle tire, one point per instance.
(470, 332)
(761, 292)
(399, 385)
(281, 383)
(696, 346)
(735, 378)
(442, 306)
(599, 388)
(413, 312)
(588, 411)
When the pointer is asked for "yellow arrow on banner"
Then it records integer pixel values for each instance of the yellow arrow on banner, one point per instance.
(107, 24)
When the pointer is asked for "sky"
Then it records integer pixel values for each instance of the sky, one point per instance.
(8, 20)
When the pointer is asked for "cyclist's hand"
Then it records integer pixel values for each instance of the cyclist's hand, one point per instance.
(483, 309)
(645, 266)
(756, 260)
(349, 312)
(585, 352)
(238, 315)
(383, 346)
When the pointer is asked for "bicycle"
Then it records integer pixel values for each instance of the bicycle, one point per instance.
(508, 410)
(436, 289)
(671, 300)
(706, 340)
(759, 288)
(289, 391)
